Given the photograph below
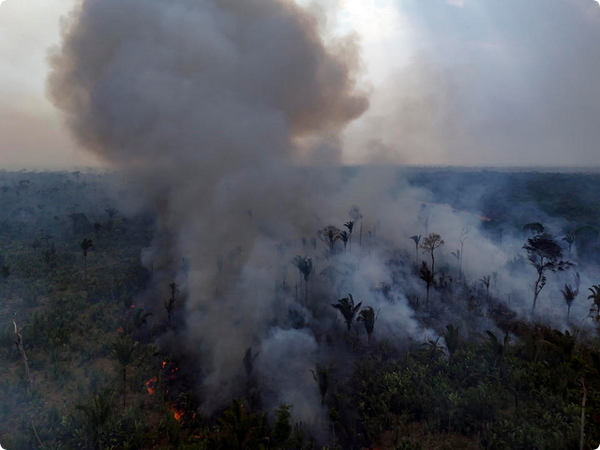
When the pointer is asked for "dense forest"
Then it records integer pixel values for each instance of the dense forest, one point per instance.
(444, 351)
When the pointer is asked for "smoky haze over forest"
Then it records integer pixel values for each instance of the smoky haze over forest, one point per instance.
(455, 83)
(226, 117)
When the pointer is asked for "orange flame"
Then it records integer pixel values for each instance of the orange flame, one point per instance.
(177, 413)
(150, 386)
(120, 329)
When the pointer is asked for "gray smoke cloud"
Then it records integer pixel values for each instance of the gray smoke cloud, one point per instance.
(207, 106)
(490, 83)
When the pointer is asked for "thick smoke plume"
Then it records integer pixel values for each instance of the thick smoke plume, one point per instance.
(207, 105)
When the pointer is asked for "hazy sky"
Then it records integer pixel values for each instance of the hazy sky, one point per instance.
(477, 82)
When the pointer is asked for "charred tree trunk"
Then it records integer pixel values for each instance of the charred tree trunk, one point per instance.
(536, 293)
(19, 344)
(306, 292)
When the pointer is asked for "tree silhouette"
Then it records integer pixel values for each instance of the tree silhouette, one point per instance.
(368, 318)
(111, 212)
(417, 239)
(494, 349)
(330, 235)
(356, 217)
(430, 243)
(427, 276)
(350, 226)
(170, 304)
(321, 376)
(595, 297)
(485, 280)
(248, 361)
(86, 245)
(569, 239)
(305, 266)
(544, 255)
(534, 228)
(457, 255)
(344, 236)
(19, 344)
(347, 308)
(452, 338)
(570, 293)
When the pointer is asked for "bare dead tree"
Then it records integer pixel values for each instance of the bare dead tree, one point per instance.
(19, 344)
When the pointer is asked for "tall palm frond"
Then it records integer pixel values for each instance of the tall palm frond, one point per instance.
(347, 308)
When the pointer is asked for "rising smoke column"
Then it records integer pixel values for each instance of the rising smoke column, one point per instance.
(203, 103)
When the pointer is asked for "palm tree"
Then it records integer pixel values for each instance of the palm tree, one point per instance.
(350, 226)
(305, 266)
(570, 293)
(86, 245)
(569, 239)
(321, 376)
(368, 318)
(427, 276)
(494, 349)
(417, 239)
(124, 352)
(595, 297)
(451, 336)
(330, 235)
(344, 236)
(347, 308)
